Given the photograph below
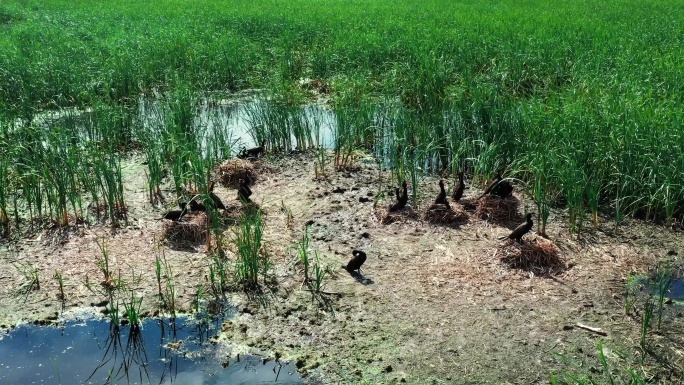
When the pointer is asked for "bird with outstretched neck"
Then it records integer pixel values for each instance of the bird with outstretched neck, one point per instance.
(442, 196)
(521, 230)
(458, 189)
(356, 262)
(244, 192)
(491, 186)
(217, 201)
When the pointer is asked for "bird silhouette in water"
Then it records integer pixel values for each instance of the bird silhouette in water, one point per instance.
(458, 189)
(175, 215)
(491, 186)
(402, 199)
(356, 262)
(217, 201)
(244, 192)
(521, 230)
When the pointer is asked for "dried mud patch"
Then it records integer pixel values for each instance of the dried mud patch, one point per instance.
(440, 305)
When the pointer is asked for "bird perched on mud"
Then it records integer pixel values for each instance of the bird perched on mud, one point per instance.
(521, 230)
(458, 189)
(492, 184)
(254, 152)
(402, 198)
(244, 192)
(356, 262)
(217, 201)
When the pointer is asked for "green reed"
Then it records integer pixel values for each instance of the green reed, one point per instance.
(252, 260)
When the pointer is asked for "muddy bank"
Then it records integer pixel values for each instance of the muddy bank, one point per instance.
(437, 303)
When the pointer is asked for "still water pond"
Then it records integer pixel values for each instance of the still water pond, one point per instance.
(93, 352)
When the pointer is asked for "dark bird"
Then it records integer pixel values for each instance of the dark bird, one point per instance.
(401, 199)
(244, 192)
(356, 262)
(491, 186)
(215, 198)
(404, 193)
(175, 215)
(254, 152)
(458, 189)
(503, 190)
(197, 206)
(441, 198)
(521, 230)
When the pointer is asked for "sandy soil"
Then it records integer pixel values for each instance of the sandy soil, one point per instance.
(437, 304)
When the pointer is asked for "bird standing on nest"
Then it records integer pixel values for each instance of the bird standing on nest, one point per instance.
(244, 192)
(521, 230)
(175, 215)
(254, 152)
(197, 206)
(401, 199)
(458, 189)
(491, 186)
(215, 198)
(442, 196)
(356, 262)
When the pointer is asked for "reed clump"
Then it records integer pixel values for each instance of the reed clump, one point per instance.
(386, 217)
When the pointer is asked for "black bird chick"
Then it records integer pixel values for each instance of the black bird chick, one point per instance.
(197, 206)
(401, 199)
(503, 190)
(356, 262)
(441, 198)
(458, 189)
(254, 152)
(175, 215)
(493, 184)
(521, 230)
(244, 192)
(217, 201)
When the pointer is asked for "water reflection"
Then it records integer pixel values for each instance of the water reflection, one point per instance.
(161, 351)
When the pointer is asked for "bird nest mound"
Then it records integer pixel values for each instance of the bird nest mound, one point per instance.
(538, 255)
(450, 216)
(498, 209)
(232, 170)
(191, 230)
(404, 215)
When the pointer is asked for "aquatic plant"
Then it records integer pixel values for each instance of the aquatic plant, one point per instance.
(248, 240)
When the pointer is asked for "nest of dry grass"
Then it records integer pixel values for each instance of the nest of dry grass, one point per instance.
(232, 170)
(192, 230)
(498, 209)
(538, 255)
(404, 215)
(440, 214)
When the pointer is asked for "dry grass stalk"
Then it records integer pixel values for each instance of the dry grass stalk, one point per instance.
(193, 230)
(232, 170)
(538, 255)
(404, 215)
(498, 209)
(440, 214)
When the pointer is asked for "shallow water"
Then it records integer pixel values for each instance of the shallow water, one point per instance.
(89, 352)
